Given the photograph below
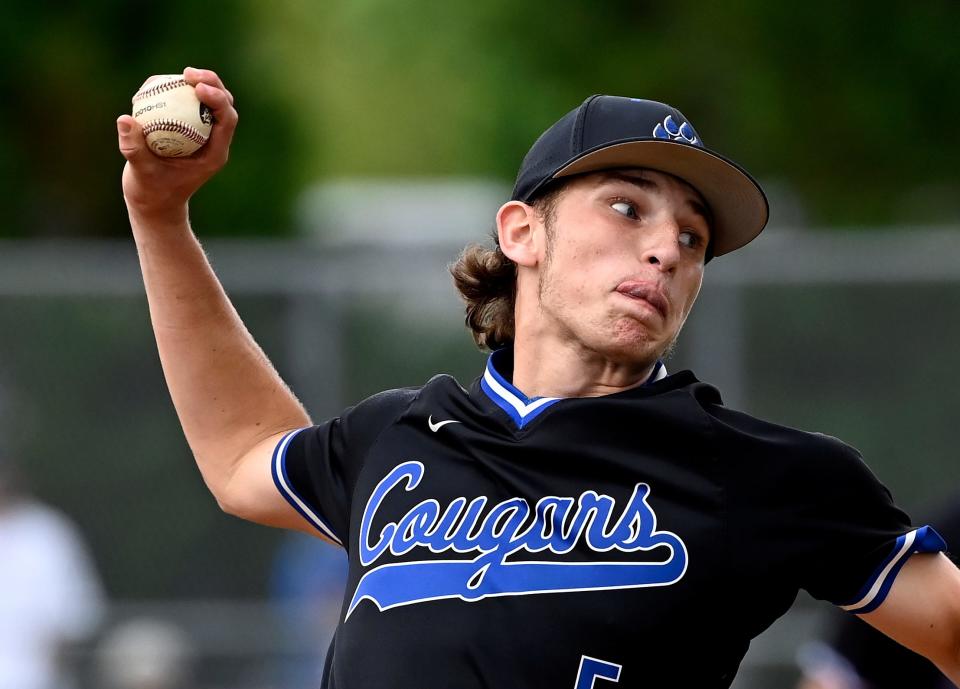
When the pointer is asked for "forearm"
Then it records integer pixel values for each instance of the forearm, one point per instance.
(951, 669)
(922, 611)
(227, 394)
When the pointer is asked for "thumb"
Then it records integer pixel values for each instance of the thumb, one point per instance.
(130, 136)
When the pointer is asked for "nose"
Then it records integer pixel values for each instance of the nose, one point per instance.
(661, 246)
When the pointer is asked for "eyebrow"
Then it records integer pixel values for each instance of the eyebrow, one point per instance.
(646, 184)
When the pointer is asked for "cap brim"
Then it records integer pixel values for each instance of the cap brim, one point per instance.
(739, 206)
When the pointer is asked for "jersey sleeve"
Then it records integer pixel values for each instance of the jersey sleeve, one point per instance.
(316, 468)
(852, 540)
(805, 511)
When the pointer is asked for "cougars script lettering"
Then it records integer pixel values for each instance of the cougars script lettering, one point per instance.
(511, 527)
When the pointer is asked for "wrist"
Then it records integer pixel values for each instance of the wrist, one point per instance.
(172, 215)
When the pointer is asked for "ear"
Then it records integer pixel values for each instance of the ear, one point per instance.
(516, 222)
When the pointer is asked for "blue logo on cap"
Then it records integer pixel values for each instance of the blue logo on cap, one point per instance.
(668, 129)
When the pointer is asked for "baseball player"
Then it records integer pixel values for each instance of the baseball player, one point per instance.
(577, 516)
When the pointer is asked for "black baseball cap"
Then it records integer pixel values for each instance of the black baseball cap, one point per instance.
(607, 132)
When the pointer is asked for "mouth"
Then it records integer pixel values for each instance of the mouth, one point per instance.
(644, 292)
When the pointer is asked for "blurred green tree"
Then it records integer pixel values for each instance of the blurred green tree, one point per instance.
(68, 70)
(849, 105)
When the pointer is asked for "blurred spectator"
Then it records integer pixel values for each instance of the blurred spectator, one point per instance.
(144, 654)
(50, 596)
(306, 586)
(856, 656)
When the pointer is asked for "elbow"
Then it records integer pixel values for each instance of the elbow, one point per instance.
(229, 502)
(219, 476)
(226, 506)
(220, 489)
(236, 497)
(243, 486)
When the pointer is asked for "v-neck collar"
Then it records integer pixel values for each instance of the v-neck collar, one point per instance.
(495, 382)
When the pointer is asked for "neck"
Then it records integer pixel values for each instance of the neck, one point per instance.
(547, 367)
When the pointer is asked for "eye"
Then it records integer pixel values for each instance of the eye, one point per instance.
(690, 239)
(624, 208)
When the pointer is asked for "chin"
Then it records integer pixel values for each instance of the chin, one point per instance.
(630, 342)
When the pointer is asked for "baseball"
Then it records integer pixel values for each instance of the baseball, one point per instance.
(175, 123)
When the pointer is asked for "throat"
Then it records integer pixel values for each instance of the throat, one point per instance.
(568, 375)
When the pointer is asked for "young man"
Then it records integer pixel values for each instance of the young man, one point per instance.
(577, 516)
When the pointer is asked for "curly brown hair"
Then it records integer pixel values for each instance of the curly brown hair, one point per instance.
(487, 282)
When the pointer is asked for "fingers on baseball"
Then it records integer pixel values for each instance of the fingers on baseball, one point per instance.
(224, 123)
(130, 138)
(216, 98)
(217, 150)
(195, 77)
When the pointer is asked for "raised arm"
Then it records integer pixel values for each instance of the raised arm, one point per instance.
(922, 611)
(231, 402)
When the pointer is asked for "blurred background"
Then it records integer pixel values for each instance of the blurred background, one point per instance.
(376, 138)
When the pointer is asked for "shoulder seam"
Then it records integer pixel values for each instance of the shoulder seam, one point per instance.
(393, 420)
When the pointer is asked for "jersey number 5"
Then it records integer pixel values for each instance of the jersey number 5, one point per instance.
(592, 668)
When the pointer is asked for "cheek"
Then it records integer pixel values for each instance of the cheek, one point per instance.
(590, 276)
(696, 280)
(590, 263)
(573, 270)
(587, 261)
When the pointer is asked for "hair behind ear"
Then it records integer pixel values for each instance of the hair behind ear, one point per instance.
(487, 282)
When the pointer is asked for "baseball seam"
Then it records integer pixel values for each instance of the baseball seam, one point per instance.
(159, 88)
(176, 127)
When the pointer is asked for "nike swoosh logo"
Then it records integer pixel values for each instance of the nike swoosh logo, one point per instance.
(439, 424)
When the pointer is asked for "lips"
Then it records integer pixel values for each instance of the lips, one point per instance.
(646, 291)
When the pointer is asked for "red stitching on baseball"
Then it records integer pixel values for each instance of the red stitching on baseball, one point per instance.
(159, 88)
(175, 127)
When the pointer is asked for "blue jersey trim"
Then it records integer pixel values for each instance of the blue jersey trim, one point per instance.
(874, 592)
(281, 480)
(519, 407)
(659, 371)
(507, 385)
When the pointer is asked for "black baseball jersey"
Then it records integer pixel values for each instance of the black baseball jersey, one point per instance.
(639, 539)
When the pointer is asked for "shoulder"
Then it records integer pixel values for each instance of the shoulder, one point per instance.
(736, 434)
(397, 399)
(757, 437)
(383, 404)
(798, 467)
(387, 407)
